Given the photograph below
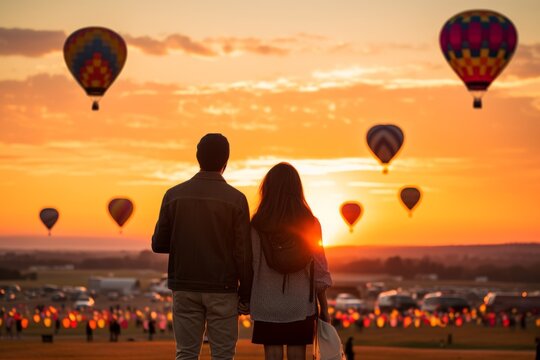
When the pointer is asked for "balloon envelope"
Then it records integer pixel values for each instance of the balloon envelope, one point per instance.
(120, 210)
(410, 197)
(351, 212)
(384, 141)
(478, 44)
(49, 217)
(95, 56)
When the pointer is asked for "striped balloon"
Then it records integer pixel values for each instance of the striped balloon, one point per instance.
(478, 44)
(410, 197)
(95, 56)
(49, 217)
(384, 141)
(351, 212)
(120, 210)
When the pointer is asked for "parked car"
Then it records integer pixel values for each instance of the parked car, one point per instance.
(49, 289)
(345, 301)
(395, 300)
(160, 287)
(58, 296)
(153, 296)
(438, 302)
(10, 292)
(373, 289)
(84, 302)
(75, 292)
(497, 302)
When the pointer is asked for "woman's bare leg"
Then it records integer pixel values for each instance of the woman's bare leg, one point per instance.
(296, 352)
(273, 352)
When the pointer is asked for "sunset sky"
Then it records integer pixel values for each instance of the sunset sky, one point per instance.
(299, 81)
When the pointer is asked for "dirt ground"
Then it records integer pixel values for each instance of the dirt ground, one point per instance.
(164, 350)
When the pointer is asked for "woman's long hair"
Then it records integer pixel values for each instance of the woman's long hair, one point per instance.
(282, 203)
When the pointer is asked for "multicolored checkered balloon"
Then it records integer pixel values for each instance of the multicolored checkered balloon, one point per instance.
(478, 44)
(95, 56)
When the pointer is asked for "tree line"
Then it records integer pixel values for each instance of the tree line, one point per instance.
(15, 265)
(410, 268)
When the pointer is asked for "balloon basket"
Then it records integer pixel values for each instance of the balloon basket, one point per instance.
(95, 106)
(477, 103)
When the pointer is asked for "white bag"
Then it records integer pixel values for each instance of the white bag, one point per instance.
(327, 344)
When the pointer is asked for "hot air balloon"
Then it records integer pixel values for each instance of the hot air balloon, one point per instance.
(478, 44)
(351, 212)
(410, 197)
(95, 56)
(120, 210)
(49, 217)
(384, 141)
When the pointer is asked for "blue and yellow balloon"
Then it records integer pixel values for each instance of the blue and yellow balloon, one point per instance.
(95, 56)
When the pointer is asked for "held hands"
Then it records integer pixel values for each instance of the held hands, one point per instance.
(243, 308)
(324, 316)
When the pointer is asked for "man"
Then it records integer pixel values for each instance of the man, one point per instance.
(204, 227)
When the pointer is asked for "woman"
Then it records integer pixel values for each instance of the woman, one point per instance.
(281, 305)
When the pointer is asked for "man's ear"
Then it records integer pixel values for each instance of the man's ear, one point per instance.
(223, 168)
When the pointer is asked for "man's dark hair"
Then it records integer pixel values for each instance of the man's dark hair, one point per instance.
(213, 152)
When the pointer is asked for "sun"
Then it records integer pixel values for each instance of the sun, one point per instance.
(325, 206)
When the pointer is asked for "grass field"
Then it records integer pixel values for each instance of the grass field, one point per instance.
(466, 337)
(469, 337)
(161, 350)
(80, 277)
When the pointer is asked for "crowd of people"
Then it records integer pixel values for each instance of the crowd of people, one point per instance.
(149, 322)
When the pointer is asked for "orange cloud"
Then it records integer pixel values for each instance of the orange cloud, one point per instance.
(28, 42)
(180, 42)
(211, 47)
(526, 61)
(35, 43)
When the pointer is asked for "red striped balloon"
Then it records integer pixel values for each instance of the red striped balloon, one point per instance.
(385, 141)
(120, 210)
(351, 212)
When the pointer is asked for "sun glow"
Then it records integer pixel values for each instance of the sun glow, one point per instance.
(325, 206)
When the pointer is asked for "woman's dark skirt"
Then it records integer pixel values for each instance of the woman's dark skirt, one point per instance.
(292, 333)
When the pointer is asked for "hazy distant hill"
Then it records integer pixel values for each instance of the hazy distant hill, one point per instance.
(121, 242)
(464, 254)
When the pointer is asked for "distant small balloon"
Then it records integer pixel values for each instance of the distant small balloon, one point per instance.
(410, 197)
(385, 141)
(49, 217)
(351, 212)
(120, 210)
